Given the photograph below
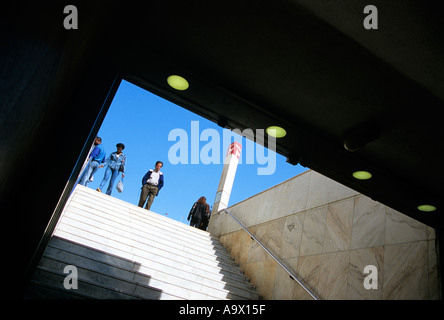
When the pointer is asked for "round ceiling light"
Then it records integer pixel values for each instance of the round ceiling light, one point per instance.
(362, 175)
(426, 208)
(178, 82)
(276, 131)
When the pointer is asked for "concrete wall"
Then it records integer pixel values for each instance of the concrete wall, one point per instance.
(326, 234)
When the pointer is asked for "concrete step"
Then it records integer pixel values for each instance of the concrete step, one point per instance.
(128, 252)
(161, 268)
(139, 218)
(153, 255)
(131, 242)
(139, 226)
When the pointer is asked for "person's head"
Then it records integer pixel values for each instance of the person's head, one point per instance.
(158, 165)
(120, 147)
(97, 141)
(202, 200)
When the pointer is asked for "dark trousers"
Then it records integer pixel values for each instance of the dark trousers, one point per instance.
(195, 222)
(148, 191)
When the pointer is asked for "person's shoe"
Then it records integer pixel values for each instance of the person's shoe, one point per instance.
(98, 189)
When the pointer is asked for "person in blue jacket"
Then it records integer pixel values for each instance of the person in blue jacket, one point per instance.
(96, 157)
(152, 182)
(116, 164)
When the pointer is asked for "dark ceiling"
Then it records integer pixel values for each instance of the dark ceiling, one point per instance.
(312, 68)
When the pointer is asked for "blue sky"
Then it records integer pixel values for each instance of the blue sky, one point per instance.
(144, 122)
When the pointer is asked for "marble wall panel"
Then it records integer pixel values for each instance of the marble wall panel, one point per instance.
(300, 294)
(338, 226)
(327, 237)
(313, 232)
(434, 292)
(297, 193)
(368, 223)
(270, 235)
(256, 252)
(317, 191)
(279, 202)
(283, 286)
(358, 260)
(238, 244)
(274, 239)
(431, 234)
(333, 276)
(267, 201)
(292, 236)
(262, 275)
(406, 271)
(308, 269)
(323, 190)
(401, 228)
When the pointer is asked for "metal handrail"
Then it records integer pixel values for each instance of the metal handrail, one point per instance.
(292, 276)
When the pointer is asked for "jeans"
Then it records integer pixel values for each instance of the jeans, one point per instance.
(113, 173)
(89, 172)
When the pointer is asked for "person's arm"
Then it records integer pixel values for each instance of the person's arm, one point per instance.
(146, 177)
(160, 184)
(191, 211)
(94, 153)
(122, 166)
(108, 160)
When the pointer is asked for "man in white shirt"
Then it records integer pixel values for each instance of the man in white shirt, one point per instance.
(152, 182)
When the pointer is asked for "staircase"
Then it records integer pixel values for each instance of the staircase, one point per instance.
(121, 251)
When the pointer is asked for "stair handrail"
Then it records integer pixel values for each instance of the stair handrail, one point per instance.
(292, 276)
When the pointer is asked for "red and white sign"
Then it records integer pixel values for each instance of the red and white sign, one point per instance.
(235, 148)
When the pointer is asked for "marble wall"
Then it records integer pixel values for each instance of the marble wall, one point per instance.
(327, 234)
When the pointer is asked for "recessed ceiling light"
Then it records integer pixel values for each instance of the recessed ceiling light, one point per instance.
(426, 208)
(362, 175)
(276, 132)
(178, 82)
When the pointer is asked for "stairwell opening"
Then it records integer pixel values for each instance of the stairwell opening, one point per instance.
(191, 147)
(140, 132)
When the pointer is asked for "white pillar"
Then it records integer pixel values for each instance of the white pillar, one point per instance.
(227, 178)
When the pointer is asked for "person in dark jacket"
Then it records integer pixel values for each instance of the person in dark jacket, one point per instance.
(197, 212)
(206, 218)
(152, 182)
